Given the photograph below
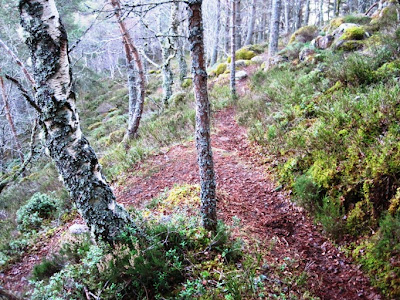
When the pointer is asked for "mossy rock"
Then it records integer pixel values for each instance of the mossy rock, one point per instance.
(242, 54)
(304, 34)
(188, 82)
(335, 23)
(353, 33)
(349, 46)
(245, 54)
(292, 50)
(388, 17)
(242, 63)
(257, 48)
(177, 98)
(219, 69)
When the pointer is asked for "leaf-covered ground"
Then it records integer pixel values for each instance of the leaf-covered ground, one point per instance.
(267, 216)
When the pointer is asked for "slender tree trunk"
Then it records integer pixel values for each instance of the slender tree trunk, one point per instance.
(250, 30)
(227, 27)
(238, 24)
(298, 14)
(203, 139)
(233, 50)
(127, 39)
(214, 55)
(10, 119)
(274, 31)
(75, 159)
(179, 46)
(307, 13)
(287, 16)
(132, 92)
(321, 13)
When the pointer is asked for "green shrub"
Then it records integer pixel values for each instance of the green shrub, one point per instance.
(45, 269)
(357, 19)
(307, 192)
(38, 209)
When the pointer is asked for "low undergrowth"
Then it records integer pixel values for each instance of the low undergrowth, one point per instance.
(177, 259)
(329, 130)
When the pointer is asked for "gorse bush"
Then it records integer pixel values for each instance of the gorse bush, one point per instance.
(36, 211)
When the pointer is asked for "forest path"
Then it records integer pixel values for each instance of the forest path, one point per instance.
(266, 215)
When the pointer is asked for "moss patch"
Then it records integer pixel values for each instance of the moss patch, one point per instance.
(304, 34)
(353, 33)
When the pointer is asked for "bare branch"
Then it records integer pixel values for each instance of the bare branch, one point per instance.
(24, 92)
(12, 177)
(19, 63)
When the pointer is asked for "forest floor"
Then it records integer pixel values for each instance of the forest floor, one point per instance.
(245, 193)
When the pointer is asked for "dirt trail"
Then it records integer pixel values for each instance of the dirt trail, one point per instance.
(244, 192)
(250, 196)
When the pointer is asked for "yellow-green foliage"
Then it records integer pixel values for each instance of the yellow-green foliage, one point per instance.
(177, 98)
(395, 203)
(337, 86)
(180, 195)
(349, 46)
(323, 170)
(115, 136)
(95, 125)
(245, 54)
(257, 48)
(387, 17)
(242, 54)
(379, 255)
(187, 83)
(335, 23)
(361, 218)
(389, 69)
(353, 33)
(220, 68)
(304, 34)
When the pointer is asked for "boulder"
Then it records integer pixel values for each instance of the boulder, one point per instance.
(342, 28)
(77, 229)
(257, 59)
(348, 46)
(304, 34)
(241, 63)
(240, 75)
(323, 42)
(306, 54)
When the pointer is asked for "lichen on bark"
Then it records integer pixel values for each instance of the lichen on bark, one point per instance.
(75, 159)
(203, 139)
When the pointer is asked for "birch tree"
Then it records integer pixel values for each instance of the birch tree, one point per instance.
(233, 49)
(252, 20)
(274, 28)
(135, 103)
(203, 139)
(214, 55)
(74, 158)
